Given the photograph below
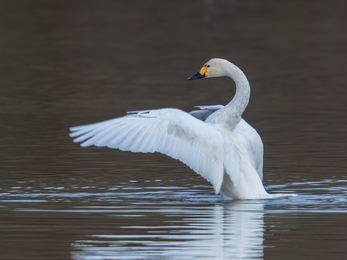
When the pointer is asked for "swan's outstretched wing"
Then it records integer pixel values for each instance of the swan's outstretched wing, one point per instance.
(205, 111)
(168, 131)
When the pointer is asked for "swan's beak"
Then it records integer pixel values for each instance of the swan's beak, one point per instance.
(200, 74)
(196, 76)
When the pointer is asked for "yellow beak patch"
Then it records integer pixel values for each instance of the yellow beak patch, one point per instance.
(203, 70)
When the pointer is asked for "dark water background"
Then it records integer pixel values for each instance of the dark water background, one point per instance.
(66, 63)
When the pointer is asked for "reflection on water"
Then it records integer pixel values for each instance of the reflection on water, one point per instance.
(223, 231)
(153, 220)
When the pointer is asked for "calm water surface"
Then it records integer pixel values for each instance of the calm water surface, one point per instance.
(68, 63)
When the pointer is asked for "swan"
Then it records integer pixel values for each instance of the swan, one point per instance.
(214, 141)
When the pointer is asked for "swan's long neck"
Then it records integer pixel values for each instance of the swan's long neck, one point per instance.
(230, 115)
(238, 104)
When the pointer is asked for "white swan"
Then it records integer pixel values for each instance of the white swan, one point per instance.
(214, 141)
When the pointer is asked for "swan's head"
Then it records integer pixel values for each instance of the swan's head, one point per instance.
(213, 68)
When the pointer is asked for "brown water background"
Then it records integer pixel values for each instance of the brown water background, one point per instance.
(66, 63)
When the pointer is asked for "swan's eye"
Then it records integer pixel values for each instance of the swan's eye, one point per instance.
(208, 66)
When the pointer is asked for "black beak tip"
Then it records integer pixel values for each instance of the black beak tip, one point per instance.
(196, 76)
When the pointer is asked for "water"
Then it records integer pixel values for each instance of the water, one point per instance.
(70, 63)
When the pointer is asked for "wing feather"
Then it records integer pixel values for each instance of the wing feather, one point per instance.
(168, 131)
(249, 145)
(205, 111)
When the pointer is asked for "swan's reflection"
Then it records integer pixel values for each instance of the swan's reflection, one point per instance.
(222, 231)
(236, 231)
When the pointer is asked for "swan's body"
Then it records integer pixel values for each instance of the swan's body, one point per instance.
(214, 141)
